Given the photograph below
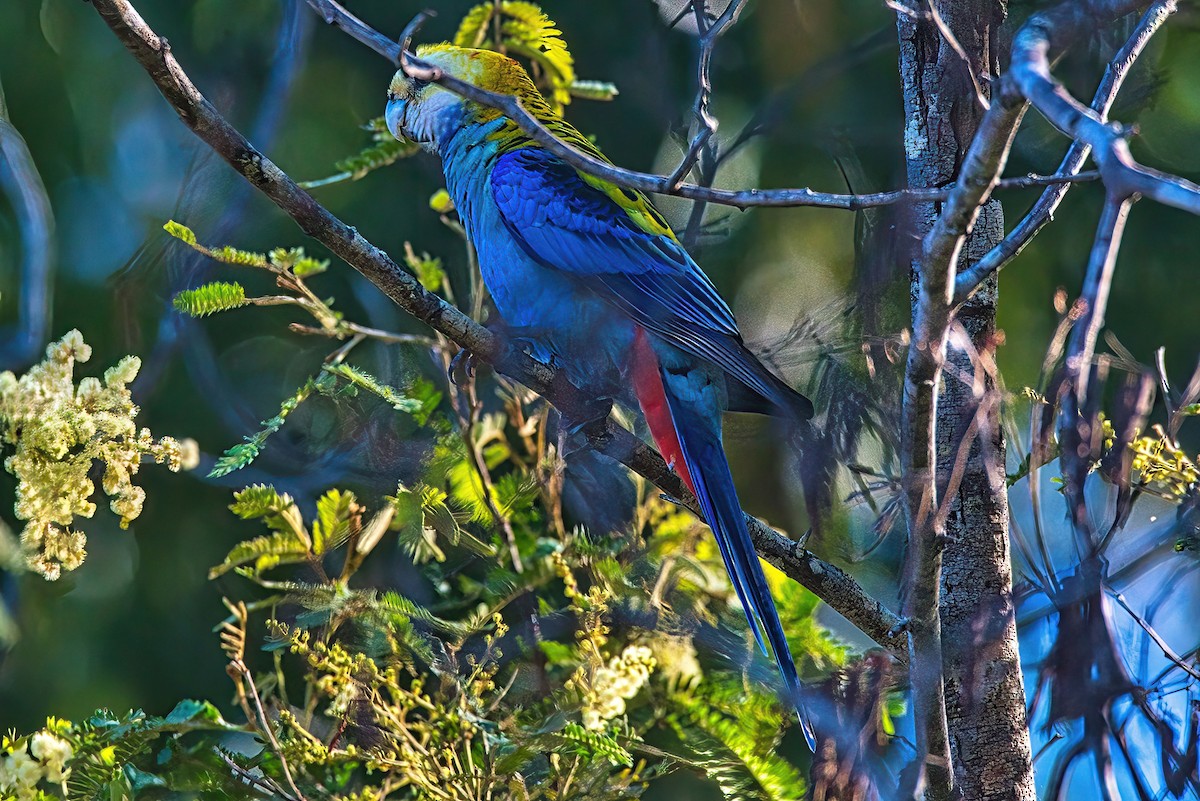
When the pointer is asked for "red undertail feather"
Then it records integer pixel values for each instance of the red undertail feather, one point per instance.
(648, 387)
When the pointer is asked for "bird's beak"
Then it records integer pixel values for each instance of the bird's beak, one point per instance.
(394, 116)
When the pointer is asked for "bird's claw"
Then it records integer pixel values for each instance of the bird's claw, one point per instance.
(592, 411)
(464, 360)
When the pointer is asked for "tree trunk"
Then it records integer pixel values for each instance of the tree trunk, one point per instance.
(985, 696)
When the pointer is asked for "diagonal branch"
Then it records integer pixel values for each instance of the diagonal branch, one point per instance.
(333, 13)
(829, 583)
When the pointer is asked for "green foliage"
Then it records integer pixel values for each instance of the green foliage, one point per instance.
(383, 151)
(426, 268)
(594, 90)
(363, 380)
(211, 298)
(238, 456)
(735, 745)
(596, 744)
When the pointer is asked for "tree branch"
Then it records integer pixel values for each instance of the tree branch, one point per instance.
(1122, 176)
(706, 122)
(1043, 210)
(333, 13)
(152, 52)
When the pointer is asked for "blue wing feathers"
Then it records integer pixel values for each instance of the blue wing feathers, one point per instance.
(564, 223)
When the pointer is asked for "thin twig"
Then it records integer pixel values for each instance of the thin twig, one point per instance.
(632, 179)
(1122, 176)
(1043, 210)
(1168, 652)
(933, 15)
(261, 783)
(705, 121)
(1076, 422)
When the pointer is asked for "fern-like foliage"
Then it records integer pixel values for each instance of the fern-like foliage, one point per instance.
(364, 380)
(731, 751)
(280, 260)
(596, 744)
(210, 298)
(383, 151)
(289, 541)
(115, 742)
(238, 456)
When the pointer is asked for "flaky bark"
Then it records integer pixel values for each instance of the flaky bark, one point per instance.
(947, 59)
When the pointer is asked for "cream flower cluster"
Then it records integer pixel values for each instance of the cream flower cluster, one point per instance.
(45, 756)
(615, 683)
(57, 430)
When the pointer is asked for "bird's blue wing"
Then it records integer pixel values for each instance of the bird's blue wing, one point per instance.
(613, 240)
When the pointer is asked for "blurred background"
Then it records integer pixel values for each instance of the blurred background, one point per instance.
(818, 78)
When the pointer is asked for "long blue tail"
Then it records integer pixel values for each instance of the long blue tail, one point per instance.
(699, 436)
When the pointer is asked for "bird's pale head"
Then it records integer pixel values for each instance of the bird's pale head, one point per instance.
(424, 112)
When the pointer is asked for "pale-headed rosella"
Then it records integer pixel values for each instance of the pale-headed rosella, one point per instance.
(590, 276)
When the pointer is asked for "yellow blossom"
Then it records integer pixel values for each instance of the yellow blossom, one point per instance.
(53, 752)
(19, 775)
(613, 684)
(57, 430)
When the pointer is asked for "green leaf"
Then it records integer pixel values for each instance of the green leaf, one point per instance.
(332, 526)
(257, 500)
(426, 268)
(594, 90)
(370, 383)
(384, 151)
(289, 543)
(238, 456)
(140, 780)
(188, 710)
(180, 232)
(211, 298)
(730, 749)
(596, 744)
(264, 553)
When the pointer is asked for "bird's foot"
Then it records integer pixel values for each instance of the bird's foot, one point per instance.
(592, 411)
(464, 362)
(571, 438)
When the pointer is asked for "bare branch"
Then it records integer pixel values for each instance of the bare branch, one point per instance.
(632, 179)
(150, 50)
(1122, 176)
(1043, 210)
(335, 14)
(706, 122)
(1078, 422)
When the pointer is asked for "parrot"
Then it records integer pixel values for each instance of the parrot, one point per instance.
(589, 276)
